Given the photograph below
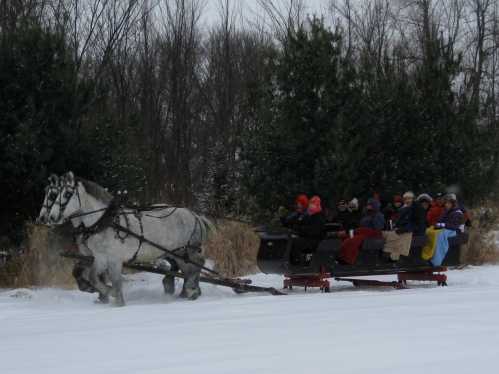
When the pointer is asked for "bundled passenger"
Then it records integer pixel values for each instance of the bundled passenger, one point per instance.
(347, 215)
(448, 226)
(421, 208)
(404, 223)
(425, 200)
(398, 242)
(371, 225)
(355, 214)
(373, 218)
(436, 210)
(391, 211)
(312, 223)
(296, 217)
(453, 217)
(342, 213)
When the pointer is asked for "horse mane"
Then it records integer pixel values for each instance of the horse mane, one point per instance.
(96, 191)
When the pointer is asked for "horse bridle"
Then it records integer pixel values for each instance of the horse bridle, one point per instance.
(69, 191)
(77, 214)
(52, 195)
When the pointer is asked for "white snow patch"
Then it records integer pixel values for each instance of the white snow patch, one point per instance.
(426, 329)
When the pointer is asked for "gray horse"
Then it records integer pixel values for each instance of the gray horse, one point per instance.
(90, 209)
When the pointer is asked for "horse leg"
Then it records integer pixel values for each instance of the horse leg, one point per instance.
(80, 274)
(191, 289)
(103, 279)
(95, 279)
(169, 281)
(115, 270)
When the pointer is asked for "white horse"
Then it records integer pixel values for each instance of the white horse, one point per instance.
(80, 271)
(52, 191)
(91, 211)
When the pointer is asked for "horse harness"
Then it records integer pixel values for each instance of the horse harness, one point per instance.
(111, 219)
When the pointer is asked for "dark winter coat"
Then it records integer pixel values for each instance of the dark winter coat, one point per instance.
(390, 212)
(404, 222)
(312, 226)
(419, 219)
(452, 219)
(292, 219)
(348, 219)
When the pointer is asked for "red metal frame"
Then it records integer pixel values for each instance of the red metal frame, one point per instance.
(309, 280)
(432, 275)
(321, 281)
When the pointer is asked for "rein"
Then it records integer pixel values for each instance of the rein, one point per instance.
(78, 215)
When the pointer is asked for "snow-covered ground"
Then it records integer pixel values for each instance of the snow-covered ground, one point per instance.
(425, 329)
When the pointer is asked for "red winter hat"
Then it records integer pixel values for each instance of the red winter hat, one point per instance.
(314, 205)
(397, 199)
(302, 200)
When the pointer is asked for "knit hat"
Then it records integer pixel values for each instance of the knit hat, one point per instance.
(397, 199)
(408, 195)
(450, 197)
(424, 197)
(354, 203)
(314, 205)
(374, 203)
(302, 200)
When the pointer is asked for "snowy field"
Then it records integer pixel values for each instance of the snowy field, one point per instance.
(425, 329)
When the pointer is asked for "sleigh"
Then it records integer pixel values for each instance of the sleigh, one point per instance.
(311, 263)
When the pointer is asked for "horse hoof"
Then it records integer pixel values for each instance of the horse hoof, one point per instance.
(194, 296)
(102, 300)
(191, 294)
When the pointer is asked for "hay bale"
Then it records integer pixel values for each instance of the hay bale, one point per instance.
(39, 264)
(481, 247)
(233, 248)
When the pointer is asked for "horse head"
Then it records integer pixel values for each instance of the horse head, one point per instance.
(67, 201)
(51, 193)
(78, 195)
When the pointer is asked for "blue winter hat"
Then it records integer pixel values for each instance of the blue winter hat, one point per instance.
(374, 203)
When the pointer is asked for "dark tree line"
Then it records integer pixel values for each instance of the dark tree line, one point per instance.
(236, 117)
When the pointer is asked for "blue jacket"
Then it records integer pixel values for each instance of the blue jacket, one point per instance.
(373, 219)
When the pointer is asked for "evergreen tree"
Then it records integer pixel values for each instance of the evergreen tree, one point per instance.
(294, 150)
